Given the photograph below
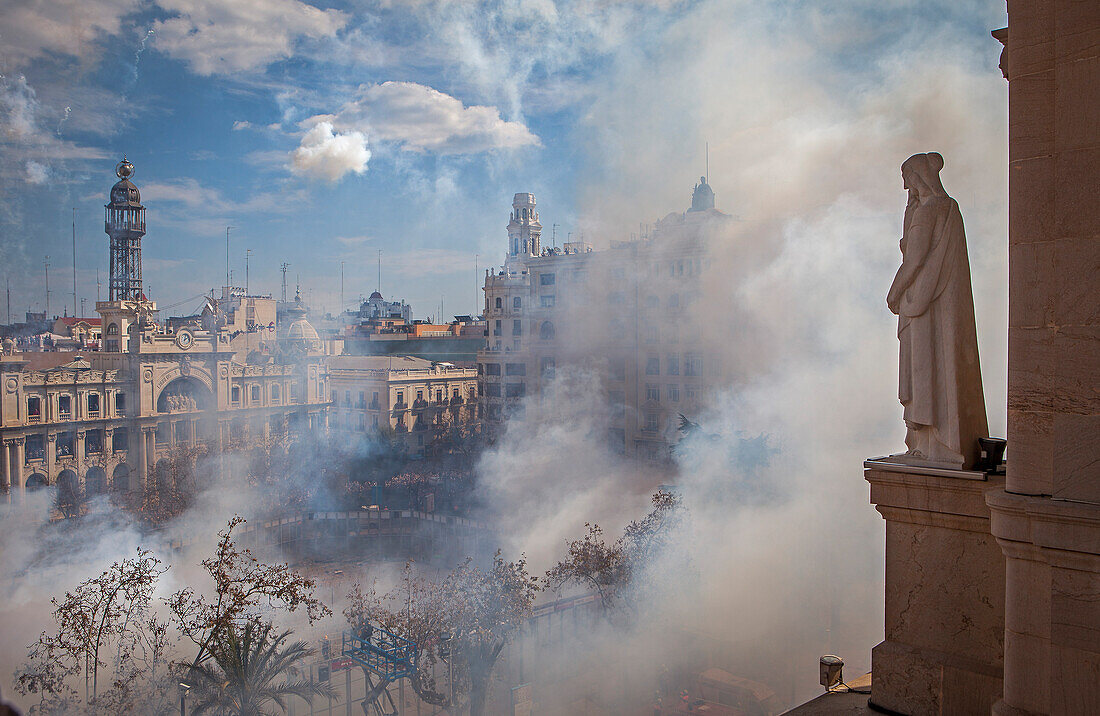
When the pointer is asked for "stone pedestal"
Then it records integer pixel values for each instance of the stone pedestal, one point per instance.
(1052, 613)
(945, 578)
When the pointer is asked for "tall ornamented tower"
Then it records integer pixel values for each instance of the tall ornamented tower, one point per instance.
(524, 229)
(124, 222)
(126, 309)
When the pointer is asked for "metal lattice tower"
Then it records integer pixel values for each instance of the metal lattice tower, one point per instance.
(124, 222)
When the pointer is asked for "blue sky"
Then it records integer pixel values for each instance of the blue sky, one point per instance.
(325, 132)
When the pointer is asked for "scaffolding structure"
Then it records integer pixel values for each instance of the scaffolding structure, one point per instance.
(383, 653)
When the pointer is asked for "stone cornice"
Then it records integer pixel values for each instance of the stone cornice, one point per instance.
(1041, 528)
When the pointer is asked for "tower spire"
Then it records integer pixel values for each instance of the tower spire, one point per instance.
(124, 222)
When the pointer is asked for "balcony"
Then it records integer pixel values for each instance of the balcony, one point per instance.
(34, 418)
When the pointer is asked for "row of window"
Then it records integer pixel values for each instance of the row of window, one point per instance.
(545, 301)
(65, 405)
(255, 393)
(511, 390)
(546, 329)
(65, 444)
(455, 393)
(693, 364)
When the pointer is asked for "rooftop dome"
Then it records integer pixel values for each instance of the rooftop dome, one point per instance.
(124, 192)
(303, 332)
(300, 331)
(375, 297)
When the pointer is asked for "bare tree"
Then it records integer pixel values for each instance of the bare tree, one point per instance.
(468, 618)
(106, 617)
(614, 571)
(241, 584)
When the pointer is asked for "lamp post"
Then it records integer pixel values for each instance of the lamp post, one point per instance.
(184, 688)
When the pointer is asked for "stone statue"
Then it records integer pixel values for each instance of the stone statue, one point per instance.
(940, 379)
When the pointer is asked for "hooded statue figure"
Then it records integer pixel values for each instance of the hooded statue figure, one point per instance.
(940, 379)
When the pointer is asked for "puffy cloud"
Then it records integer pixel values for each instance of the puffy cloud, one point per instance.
(37, 173)
(66, 27)
(241, 124)
(217, 37)
(326, 154)
(424, 119)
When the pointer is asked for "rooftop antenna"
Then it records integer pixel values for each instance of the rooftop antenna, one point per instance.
(379, 270)
(476, 278)
(47, 264)
(7, 285)
(247, 254)
(74, 262)
(228, 280)
(284, 268)
(554, 235)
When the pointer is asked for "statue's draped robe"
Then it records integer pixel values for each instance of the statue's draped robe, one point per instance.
(940, 382)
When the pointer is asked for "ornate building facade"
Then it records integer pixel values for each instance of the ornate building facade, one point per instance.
(105, 420)
(624, 313)
(404, 399)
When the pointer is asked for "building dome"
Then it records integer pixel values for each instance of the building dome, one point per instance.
(124, 193)
(303, 333)
(702, 198)
(375, 297)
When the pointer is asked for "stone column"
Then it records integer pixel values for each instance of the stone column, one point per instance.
(78, 457)
(51, 454)
(944, 592)
(5, 478)
(18, 458)
(143, 457)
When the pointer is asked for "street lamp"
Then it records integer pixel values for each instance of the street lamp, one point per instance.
(184, 688)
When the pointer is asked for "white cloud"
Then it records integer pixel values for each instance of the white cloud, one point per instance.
(426, 120)
(325, 154)
(66, 27)
(241, 124)
(217, 37)
(37, 173)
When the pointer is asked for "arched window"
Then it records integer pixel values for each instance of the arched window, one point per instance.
(112, 330)
(120, 478)
(546, 330)
(499, 303)
(95, 482)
